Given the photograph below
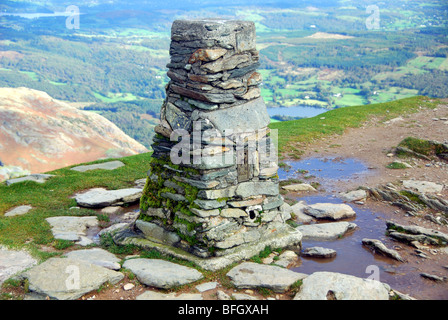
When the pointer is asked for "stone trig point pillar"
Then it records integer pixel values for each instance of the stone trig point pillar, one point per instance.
(212, 188)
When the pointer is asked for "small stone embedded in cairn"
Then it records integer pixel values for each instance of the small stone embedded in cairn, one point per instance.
(213, 179)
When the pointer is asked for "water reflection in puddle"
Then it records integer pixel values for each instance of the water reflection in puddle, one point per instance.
(328, 168)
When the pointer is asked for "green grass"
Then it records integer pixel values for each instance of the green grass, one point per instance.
(53, 198)
(396, 165)
(292, 134)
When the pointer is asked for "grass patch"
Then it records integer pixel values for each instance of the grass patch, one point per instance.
(417, 145)
(396, 165)
(305, 131)
(53, 198)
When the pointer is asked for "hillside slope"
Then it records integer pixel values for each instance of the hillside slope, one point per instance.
(39, 133)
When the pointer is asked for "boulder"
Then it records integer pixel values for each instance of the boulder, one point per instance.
(100, 198)
(96, 256)
(379, 247)
(338, 286)
(319, 252)
(299, 187)
(12, 262)
(160, 273)
(254, 275)
(423, 186)
(71, 228)
(325, 231)
(356, 195)
(68, 279)
(330, 211)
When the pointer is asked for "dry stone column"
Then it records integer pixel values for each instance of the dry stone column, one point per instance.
(213, 183)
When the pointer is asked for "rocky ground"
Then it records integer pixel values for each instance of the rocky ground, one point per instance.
(410, 256)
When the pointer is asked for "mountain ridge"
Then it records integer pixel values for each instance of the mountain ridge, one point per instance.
(39, 133)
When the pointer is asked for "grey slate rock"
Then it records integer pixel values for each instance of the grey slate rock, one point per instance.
(96, 256)
(67, 279)
(253, 275)
(161, 274)
(18, 211)
(111, 165)
(100, 198)
(37, 177)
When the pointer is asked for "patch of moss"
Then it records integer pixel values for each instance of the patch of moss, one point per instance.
(417, 145)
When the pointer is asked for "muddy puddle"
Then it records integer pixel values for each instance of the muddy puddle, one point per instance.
(330, 172)
(354, 258)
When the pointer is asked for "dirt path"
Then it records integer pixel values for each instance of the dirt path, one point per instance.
(372, 142)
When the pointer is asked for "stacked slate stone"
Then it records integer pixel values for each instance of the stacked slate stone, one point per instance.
(213, 183)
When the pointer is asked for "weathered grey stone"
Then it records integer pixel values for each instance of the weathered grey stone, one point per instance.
(379, 247)
(337, 286)
(231, 120)
(224, 64)
(12, 262)
(299, 187)
(67, 279)
(210, 204)
(202, 105)
(254, 275)
(325, 231)
(100, 198)
(272, 202)
(202, 96)
(217, 193)
(111, 165)
(287, 258)
(233, 213)
(71, 228)
(18, 211)
(36, 177)
(152, 295)
(319, 252)
(243, 296)
(356, 195)
(156, 233)
(176, 118)
(173, 196)
(96, 256)
(207, 286)
(246, 203)
(423, 186)
(198, 183)
(330, 211)
(417, 230)
(298, 210)
(254, 188)
(161, 274)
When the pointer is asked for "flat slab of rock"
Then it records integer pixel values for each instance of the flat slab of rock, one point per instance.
(111, 165)
(12, 262)
(36, 177)
(18, 211)
(356, 195)
(207, 286)
(334, 211)
(423, 186)
(319, 252)
(152, 295)
(252, 275)
(298, 210)
(160, 273)
(299, 187)
(71, 228)
(68, 279)
(96, 256)
(100, 197)
(338, 286)
(325, 231)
